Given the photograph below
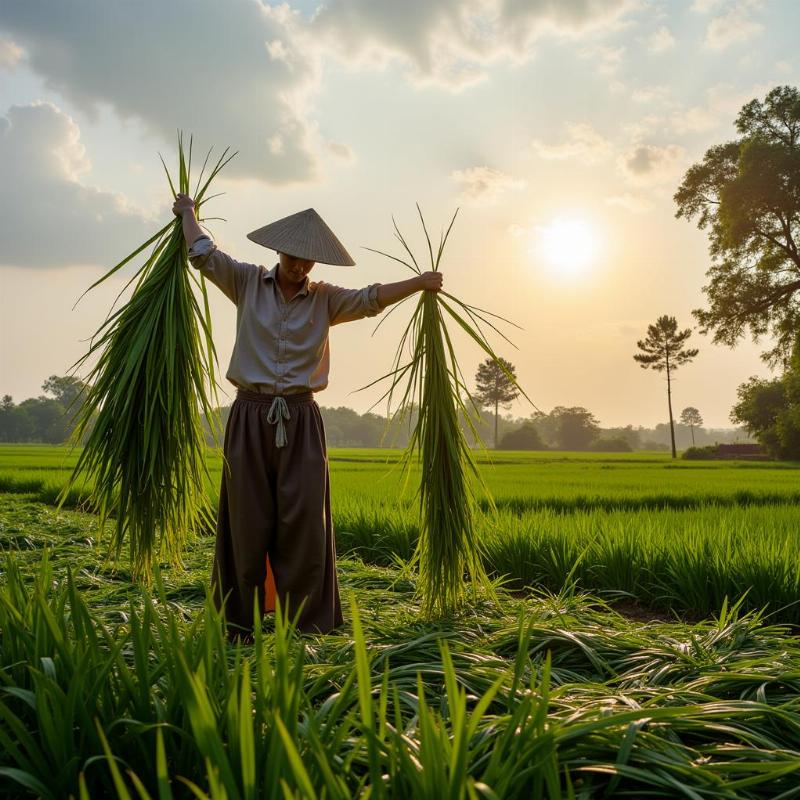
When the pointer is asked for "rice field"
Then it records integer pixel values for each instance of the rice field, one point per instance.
(645, 644)
(674, 536)
(561, 481)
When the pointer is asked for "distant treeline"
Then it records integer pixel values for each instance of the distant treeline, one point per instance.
(561, 429)
(48, 419)
(45, 419)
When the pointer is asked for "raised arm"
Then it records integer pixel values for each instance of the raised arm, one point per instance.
(389, 293)
(184, 208)
(225, 272)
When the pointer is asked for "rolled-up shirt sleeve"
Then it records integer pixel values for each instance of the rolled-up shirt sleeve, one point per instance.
(346, 305)
(225, 272)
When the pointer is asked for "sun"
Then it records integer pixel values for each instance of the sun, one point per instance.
(569, 246)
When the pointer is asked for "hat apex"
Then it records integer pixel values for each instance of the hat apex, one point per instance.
(303, 235)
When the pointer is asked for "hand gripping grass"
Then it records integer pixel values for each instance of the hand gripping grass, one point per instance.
(449, 555)
(144, 459)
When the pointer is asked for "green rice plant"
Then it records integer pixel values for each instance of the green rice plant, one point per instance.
(448, 549)
(516, 700)
(144, 455)
(520, 482)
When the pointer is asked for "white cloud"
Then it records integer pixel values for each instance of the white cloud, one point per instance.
(450, 43)
(277, 51)
(695, 120)
(647, 94)
(10, 54)
(608, 58)
(661, 41)
(484, 185)
(642, 127)
(722, 105)
(734, 26)
(341, 151)
(650, 164)
(582, 143)
(706, 6)
(245, 73)
(51, 218)
(230, 73)
(629, 202)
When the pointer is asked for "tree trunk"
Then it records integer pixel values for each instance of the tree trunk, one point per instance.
(496, 403)
(669, 403)
(691, 428)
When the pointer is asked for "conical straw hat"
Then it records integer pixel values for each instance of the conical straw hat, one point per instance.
(303, 235)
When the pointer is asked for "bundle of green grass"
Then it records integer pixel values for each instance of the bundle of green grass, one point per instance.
(448, 555)
(143, 462)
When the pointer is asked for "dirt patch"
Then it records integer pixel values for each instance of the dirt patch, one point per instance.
(639, 613)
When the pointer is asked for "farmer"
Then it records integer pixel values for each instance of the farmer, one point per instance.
(274, 529)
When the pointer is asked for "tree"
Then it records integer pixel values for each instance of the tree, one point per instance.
(748, 193)
(69, 393)
(661, 350)
(495, 387)
(526, 437)
(691, 416)
(576, 428)
(770, 410)
(65, 389)
(15, 424)
(627, 434)
(546, 427)
(611, 444)
(49, 423)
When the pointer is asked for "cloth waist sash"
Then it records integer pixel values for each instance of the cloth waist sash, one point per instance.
(278, 408)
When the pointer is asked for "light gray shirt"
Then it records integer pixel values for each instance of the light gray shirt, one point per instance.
(281, 346)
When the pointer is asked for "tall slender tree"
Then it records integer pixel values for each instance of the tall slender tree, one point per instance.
(691, 416)
(662, 351)
(495, 386)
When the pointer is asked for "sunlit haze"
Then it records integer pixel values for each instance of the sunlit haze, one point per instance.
(567, 246)
(561, 132)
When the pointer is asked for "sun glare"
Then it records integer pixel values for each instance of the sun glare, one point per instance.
(569, 246)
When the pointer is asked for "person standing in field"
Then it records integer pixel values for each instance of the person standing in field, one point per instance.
(274, 533)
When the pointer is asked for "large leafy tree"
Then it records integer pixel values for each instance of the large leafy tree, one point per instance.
(70, 393)
(747, 193)
(495, 387)
(66, 389)
(48, 420)
(576, 427)
(662, 350)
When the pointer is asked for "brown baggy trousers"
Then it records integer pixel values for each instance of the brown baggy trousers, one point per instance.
(275, 515)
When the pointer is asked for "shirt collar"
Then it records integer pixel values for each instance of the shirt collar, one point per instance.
(272, 274)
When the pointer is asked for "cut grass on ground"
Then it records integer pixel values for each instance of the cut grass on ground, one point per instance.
(544, 695)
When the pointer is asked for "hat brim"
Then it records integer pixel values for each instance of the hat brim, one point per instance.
(303, 235)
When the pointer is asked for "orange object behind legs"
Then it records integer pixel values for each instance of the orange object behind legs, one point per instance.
(269, 589)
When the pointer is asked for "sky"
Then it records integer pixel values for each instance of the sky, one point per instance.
(559, 129)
